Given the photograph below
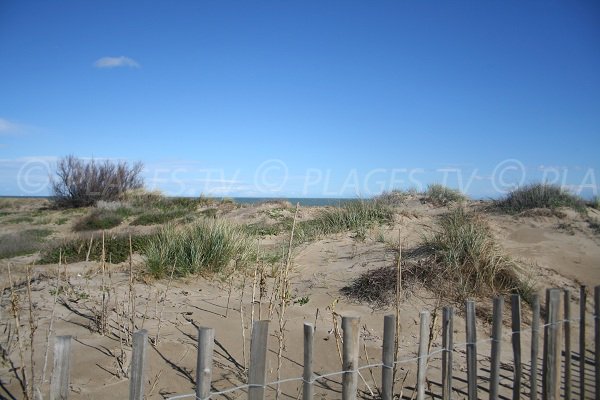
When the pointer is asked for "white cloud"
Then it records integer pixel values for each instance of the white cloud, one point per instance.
(114, 62)
(10, 128)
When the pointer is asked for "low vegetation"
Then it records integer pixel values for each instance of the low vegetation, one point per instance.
(441, 195)
(206, 246)
(539, 195)
(116, 248)
(393, 198)
(23, 242)
(460, 259)
(99, 219)
(156, 217)
(350, 216)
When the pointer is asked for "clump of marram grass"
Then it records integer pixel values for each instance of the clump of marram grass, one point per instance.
(460, 259)
(539, 195)
(441, 195)
(206, 246)
(349, 216)
(393, 198)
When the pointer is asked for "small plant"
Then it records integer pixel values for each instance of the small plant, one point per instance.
(205, 246)
(301, 300)
(441, 195)
(539, 195)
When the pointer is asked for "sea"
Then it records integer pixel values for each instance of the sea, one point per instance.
(303, 201)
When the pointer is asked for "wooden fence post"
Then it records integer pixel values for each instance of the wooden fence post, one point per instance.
(515, 310)
(567, 328)
(258, 360)
(138, 360)
(597, 339)
(552, 346)
(496, 346)
(535, 344)
(307, 386)
(448, 346)
(206, 345)
(471, 350)
(61, 373)
(350, 357)
(423, 358)
(582, 312)
(387, 372)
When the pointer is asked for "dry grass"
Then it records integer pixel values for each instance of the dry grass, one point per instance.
(539, 195)
(441, 195)
(460, 259)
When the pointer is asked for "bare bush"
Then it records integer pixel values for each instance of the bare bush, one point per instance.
(80, 183)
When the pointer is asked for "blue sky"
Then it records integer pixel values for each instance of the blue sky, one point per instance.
(304, 98)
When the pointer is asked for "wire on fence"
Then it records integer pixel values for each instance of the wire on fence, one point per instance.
(377, 365)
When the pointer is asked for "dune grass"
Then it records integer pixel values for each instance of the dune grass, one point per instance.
(206, 246)
(539, 195)
(116, 248)
(393, 198)
(458, 260)
(23, 242)
(349, 216)
(441, 195)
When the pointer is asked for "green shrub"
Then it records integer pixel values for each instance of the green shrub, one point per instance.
(442, 195)
(99, 219)
(539, 195)
(116, 248)
(21, 243)
(208, 245)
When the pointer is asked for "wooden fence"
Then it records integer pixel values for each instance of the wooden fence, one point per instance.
(558, 323)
